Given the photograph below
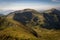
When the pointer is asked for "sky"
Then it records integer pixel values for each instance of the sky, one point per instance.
(32, 4)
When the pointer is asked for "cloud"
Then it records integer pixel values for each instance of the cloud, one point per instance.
(56, 0)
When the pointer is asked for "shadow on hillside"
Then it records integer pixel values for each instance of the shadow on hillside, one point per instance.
(52, 21)
(23, 17)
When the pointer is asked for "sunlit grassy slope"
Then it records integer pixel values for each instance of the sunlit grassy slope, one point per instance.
(47, 34)
(14, 30)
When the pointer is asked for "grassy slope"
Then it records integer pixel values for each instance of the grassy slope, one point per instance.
(47, 34)
(15, 31)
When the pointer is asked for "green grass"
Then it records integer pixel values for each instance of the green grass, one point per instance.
(48, 34)
(15, 31)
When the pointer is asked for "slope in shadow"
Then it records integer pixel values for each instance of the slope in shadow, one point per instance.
(52, 20)
(23, 17)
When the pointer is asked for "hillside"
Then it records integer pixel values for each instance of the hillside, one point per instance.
(52, 18)
(28, 24)
(11, 28)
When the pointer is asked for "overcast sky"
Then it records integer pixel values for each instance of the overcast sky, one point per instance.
(33, 4)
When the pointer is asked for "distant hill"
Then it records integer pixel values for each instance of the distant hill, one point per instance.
(1, 15)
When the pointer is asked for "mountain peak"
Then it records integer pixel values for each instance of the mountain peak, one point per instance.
(53, 9)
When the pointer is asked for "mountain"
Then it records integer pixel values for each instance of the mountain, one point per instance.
(28, 24)
(25, 16)
(14, 22)
(52, 18)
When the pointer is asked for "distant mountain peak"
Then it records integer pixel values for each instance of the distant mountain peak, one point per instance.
(53, 10)
(28, 9)
(1, 15)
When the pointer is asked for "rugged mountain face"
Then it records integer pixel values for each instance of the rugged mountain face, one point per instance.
(23, 17)
(52, 18)
(26, 17)
(49, 19)
(20, 19)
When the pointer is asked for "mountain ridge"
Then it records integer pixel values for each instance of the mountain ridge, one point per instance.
(30, 24)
